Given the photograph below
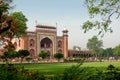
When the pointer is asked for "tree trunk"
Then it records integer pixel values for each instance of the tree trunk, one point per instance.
(21, 60)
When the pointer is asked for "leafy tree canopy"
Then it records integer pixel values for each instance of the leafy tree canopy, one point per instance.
(5, 19)
(58, 55)
(21, 23)
(94, 44)
(43, 54)
(23, 53)
(11, 25)
(105, 10)
(117, 50)
(109, 51)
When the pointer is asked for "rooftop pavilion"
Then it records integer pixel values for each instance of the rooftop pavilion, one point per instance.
(45, 27)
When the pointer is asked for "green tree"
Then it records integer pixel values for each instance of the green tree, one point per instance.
(58, 56)
(43, 55)
(11, 25)
(12, 54)
(106, 53)
(5, 57)
(6, 23)
(8, 55)
(94, 45)
(105, 10)
(21, 23)
(109, 52)
(23, 54)
(117, 50)
(18, 29)
(5, 19)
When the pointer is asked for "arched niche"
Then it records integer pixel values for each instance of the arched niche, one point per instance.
(46, 44)
(32, 43)
(59, 44)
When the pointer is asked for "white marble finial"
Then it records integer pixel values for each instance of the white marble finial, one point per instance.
(65, 29)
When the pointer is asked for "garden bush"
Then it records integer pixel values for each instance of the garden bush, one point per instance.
(8, 72)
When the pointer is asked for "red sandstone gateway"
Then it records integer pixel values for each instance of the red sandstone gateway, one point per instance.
(44, 38)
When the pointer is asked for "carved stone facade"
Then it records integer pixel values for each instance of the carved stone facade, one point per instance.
(44, 38)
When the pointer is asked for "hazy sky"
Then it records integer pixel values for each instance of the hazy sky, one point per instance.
(68, 14)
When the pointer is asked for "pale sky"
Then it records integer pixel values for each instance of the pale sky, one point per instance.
(68, 14)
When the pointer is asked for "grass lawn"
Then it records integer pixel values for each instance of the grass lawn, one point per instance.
(58, 68)
(47, 68)
(100, 64)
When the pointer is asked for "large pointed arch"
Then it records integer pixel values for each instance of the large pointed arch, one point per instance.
(46, 45)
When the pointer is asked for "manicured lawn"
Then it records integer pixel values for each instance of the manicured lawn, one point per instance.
(53, 68)
(58, 68)
(100, 64)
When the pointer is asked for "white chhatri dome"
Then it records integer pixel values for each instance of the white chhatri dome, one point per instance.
(64, 29)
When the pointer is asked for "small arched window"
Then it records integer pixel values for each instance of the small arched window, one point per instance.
(59, 44)
(32, 43)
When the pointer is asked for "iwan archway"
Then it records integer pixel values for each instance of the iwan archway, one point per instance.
(46, 45)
